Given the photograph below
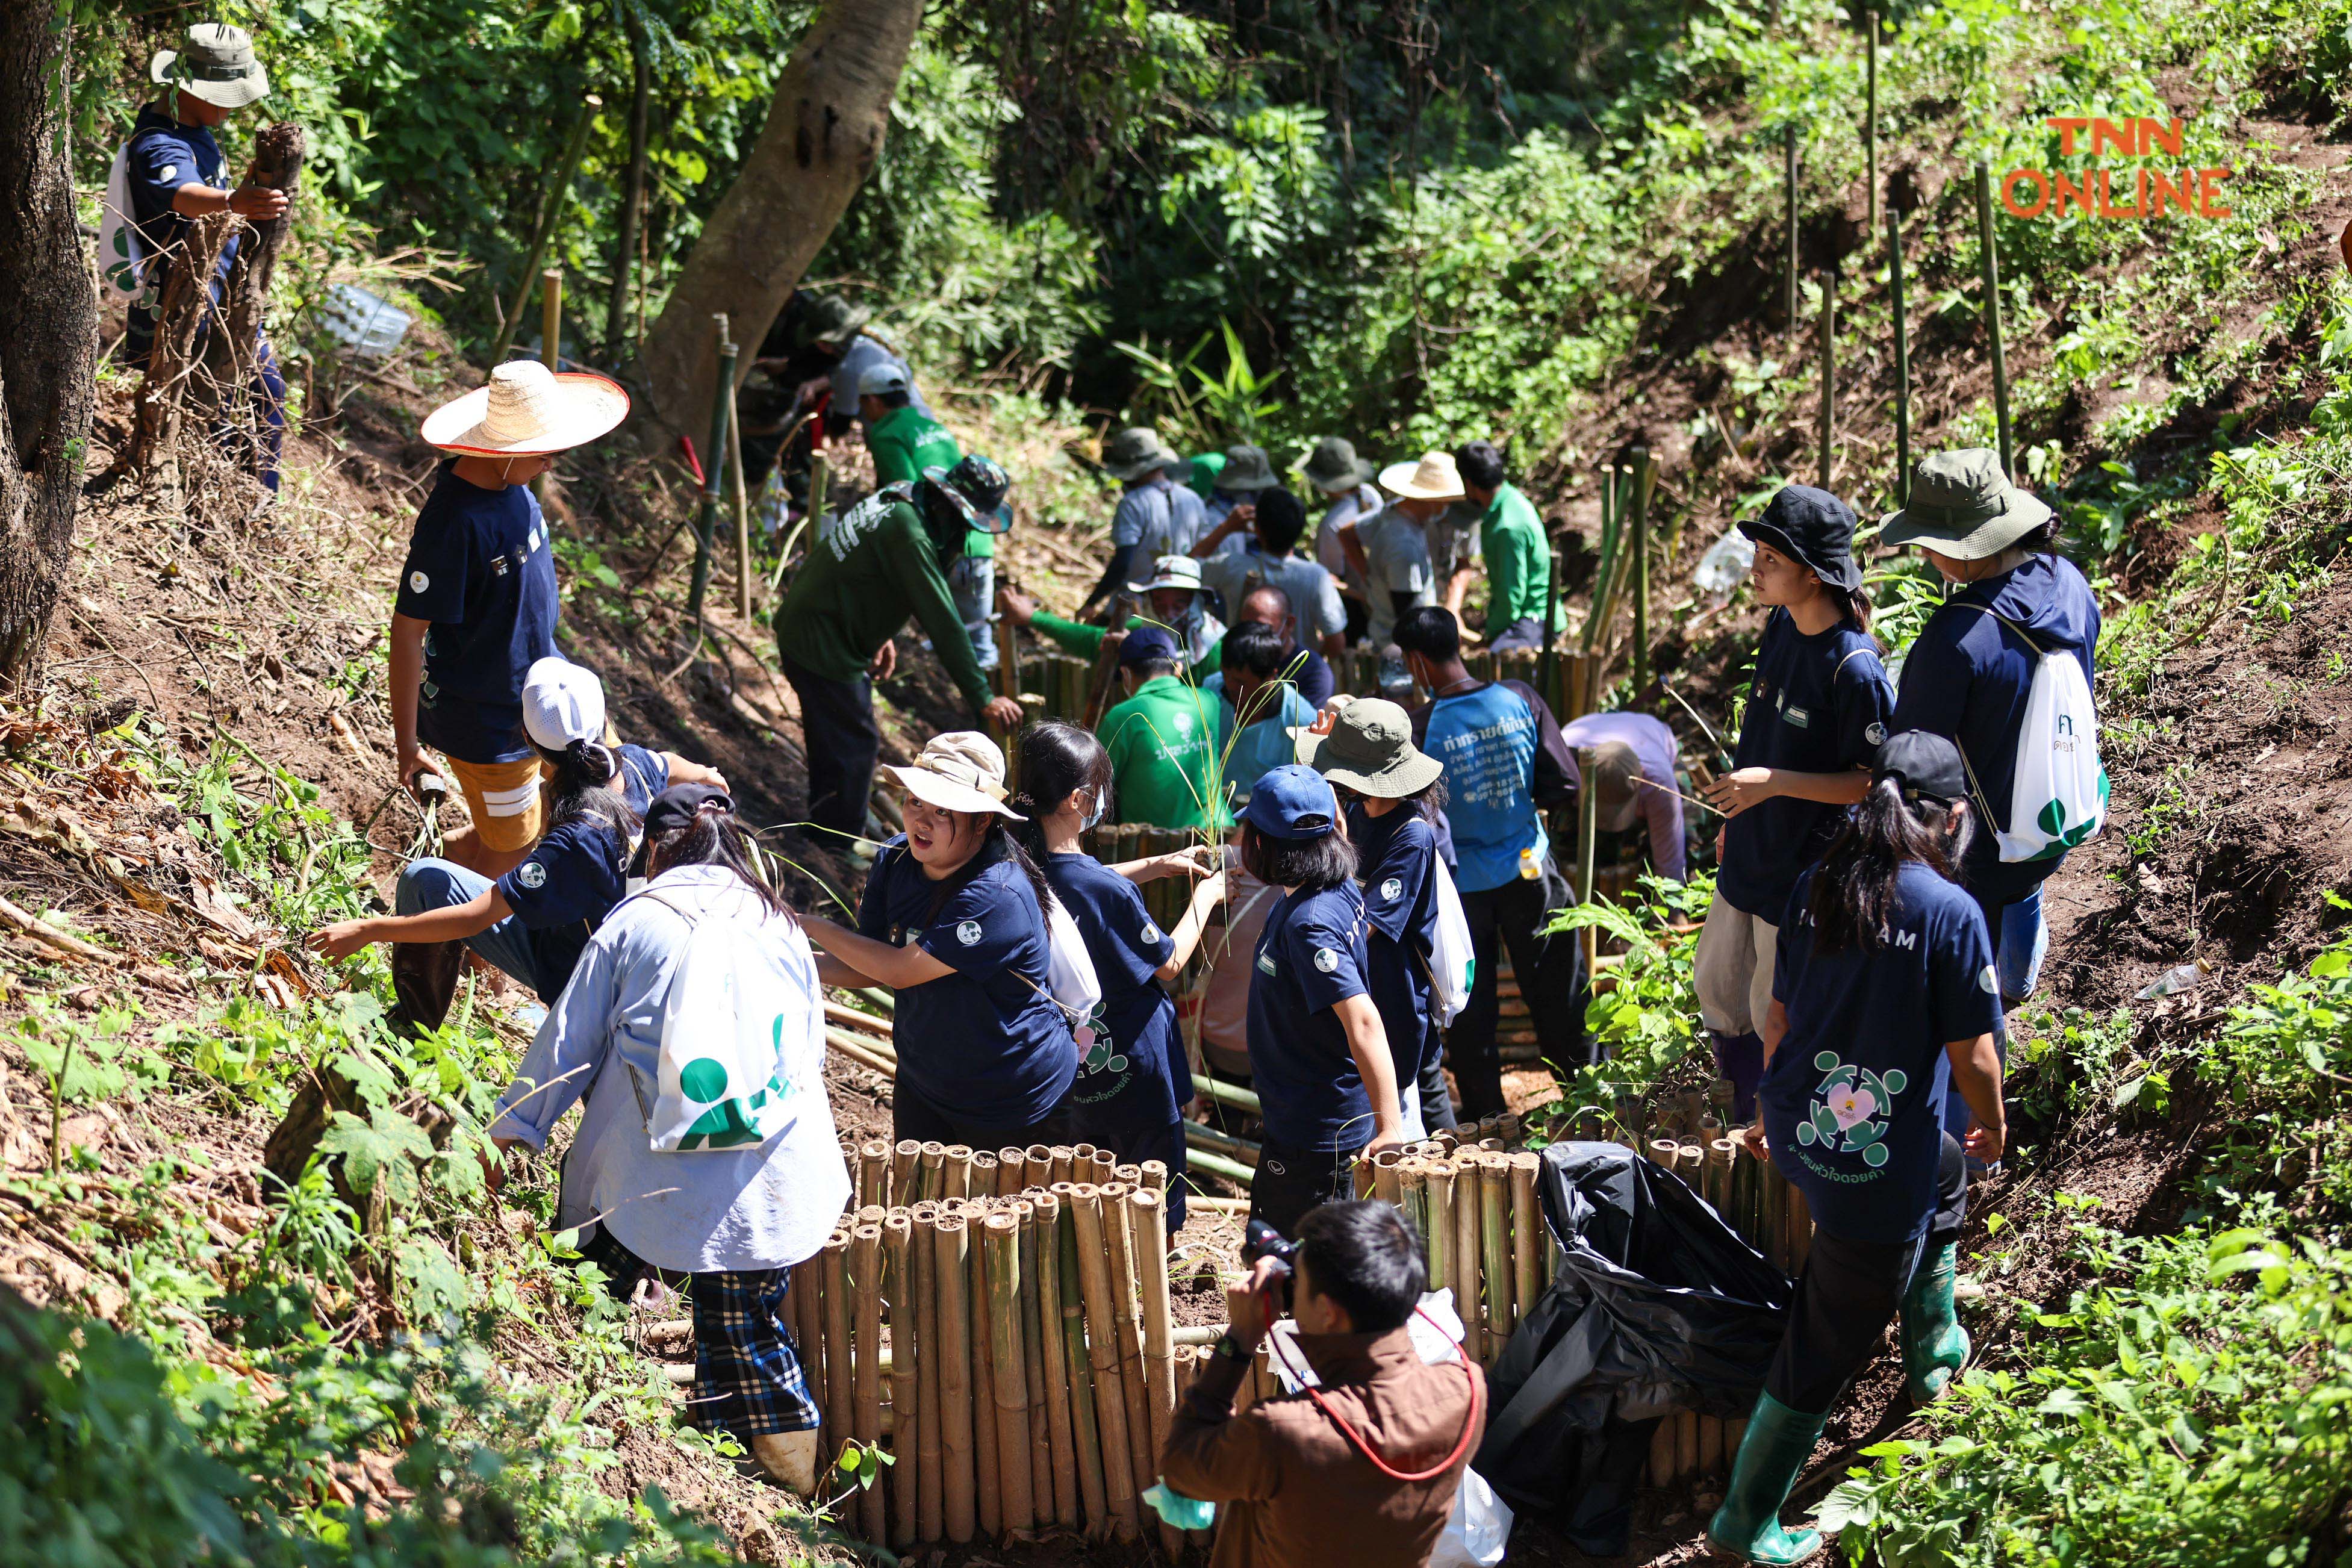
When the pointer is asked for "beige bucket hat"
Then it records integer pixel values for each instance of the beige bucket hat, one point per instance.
(1433, 477)
(1962, 505)
(962, 770)
(214, 63)
(527, 410)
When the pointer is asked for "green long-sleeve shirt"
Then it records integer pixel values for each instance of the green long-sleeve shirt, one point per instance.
(1086, 641)
(906, 441)
(1511, 537)
(871, 568)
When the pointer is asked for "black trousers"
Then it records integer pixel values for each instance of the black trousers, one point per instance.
(1436, 1100)
(1550, 975)
(1849, 1291)
(1291, 1183)
(913, 1116)
(843, 741)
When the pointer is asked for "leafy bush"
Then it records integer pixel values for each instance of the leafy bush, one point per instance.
(1646, 1022)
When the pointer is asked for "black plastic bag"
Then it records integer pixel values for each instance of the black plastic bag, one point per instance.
(1657, 1305)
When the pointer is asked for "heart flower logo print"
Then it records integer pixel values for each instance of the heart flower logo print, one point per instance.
(1851, 1110)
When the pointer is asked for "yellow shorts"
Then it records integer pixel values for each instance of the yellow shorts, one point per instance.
(504, 798)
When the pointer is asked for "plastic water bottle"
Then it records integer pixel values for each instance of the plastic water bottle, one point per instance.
(1530, 865)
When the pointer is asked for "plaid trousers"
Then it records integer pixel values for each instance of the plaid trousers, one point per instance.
(747, 1370)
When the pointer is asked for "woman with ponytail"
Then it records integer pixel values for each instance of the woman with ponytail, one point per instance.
(1884, 996)
(1134, 1078)
(954, 921)
(533, 921)
(1816, 712)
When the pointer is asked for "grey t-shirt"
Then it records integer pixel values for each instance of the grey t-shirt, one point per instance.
(1162, 516)
(1314, 607)
(1359, 505)
(1396, 556)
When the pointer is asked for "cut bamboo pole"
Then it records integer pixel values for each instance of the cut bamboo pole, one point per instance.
(1662, 1452)
(905, 1160)
(1033, 1365)
(1685, 1442)
(988, 1472)
(930, 1429)
(1012, 1171)
(1828, 373)
(1902, 355)
(1086, 1433)
(1106, 1166)
(1529, 1238)
(1788, 259)
(1102, 1355)
(840, 1390)
(1038, 1161)
(986, 1168)
(1009, 1370)
(1412, 1195)
(1143, 1460)
(932, 1176)
(1148, 1228)
(899, 1288)
(1870, 120)
(950, 1280)
(1989, 249)
(1719, 1157)
(1155, 1177)
(866, 1274)
(1495, 1250)
(1387, 1186)
(873, 1173)
(1054, 1359)
(957, 1163)
(1064, 1161)
(1468, 1250)
(1440, 1234)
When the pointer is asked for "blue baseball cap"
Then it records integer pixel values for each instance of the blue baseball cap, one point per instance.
(1292, 801)
(1148, 642)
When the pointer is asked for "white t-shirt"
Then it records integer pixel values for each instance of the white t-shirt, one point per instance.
(1396, 555)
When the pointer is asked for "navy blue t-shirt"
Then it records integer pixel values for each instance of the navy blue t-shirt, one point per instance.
(1969, 677)
(1394, 854)
(480, 569)
(563, 891)
(1853, 1099)
(986, 1042)
(1818, 705)
(1130, 1057)
(164, 155)
(644, 775)
(1310, 958)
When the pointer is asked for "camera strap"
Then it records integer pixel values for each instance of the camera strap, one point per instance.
(1461, 1445)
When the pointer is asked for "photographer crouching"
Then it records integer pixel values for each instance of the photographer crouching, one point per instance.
(1362, 1468)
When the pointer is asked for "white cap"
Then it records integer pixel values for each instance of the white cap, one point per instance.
(1170, 572)
(881, 379)
(561, 703)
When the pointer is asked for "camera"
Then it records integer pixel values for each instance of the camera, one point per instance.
(1260, 1240)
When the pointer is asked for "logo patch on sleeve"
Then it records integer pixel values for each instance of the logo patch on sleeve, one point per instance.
(1149, 933)
(418, 581)
(1988, 981)
(1393, 889)
(968, 933)
(532, 875)
(1326, 959)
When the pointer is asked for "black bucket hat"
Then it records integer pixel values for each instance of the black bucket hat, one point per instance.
(1811, 526)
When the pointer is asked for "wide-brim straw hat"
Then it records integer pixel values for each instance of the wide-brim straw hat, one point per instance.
(1433, 477)
(1370, 751)
(1962, 505)
(962, 770)
(215, 64)
(527, 410)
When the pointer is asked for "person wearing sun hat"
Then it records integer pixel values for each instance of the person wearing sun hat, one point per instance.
(1156, 515)
(1162, 740)
(954, 921)
(871, 568)
(1398, 572)
(1393, 795)
(1172, 600)
(171, 173)
(1319, 1060)
(906, 441)
(1350, 499)
(477, 604)
(1244, 473)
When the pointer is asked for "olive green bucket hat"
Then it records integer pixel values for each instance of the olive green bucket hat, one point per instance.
(1136, 453)
(1370, 751)
(1963, 506)
(1334, 465)
(1246, 468)
(833, 321)
(214, 63)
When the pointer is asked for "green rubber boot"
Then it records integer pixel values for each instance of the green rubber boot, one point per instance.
(1935, 1346)
(1748, 1525)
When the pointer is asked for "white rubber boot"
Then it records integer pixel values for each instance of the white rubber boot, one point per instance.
(789, 1458)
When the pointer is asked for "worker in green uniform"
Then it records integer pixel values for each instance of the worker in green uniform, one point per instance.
(883, 560)
(1174, 598)
(905, 440)
(1517, 552)
(1163, 741)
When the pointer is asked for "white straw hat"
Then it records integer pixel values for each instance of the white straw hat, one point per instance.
(526, 411)
(962, 770)
(561, 703)
(1435, 478)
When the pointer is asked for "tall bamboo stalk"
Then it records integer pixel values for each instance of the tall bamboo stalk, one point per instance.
(1439, 1187)
(930, 1431)
(840, 1385)
(1989, 252)
(1587, 851)
(1052, 1299)
(1645, 479)
(1143, 1459)
(1102, 1355)
(1869, 116)
(988, 1473)
(951, 1281)
(1009, 1370)
(1788, 260)
(1086, 1433)
(1033, 1363)
(714, 479)
(1902, 356)
(1829, 372)
(866, 1272)
(906, 1398)
(1148, 1230)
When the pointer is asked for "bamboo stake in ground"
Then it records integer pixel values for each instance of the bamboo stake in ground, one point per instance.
(905, 1160)
(1439, 1186)
(873, 1173)
(866, 1275)
(840, 1389)
(1148, 1228)
(1085, 1434)
(1495, 1250)
(959, 1170)
(1468, 1297)
(1989, 256)
(1529, 1238)
(1143, 1458)
(1054, 1359)
(1102, 1356)
(1902, 355)
(1033, 1366)
(1662, 1452)
(931, 1176)
(1009, 1370)
(930, 1431)
(899, 1288)
(1870, 121)
(1789, 261)
(988, 1473)
(949, 1278)
(1829, 373)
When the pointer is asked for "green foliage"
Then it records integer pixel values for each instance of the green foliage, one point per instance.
(2066, 1063)
(2185, 1406)
(1646, 1022)
(87, 1060)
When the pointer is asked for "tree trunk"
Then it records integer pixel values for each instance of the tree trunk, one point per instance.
(48, 341)
(633, 195)
(824, 133)
(277, 156)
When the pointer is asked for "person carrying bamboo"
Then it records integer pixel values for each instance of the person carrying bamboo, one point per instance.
(872, 567)
(1883, 993)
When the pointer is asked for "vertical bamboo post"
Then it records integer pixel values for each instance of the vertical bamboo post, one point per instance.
(714, 472)
(746, 577)
(950, 1278)
(1086, 1433)
(1720, 1154)
(1387, 1182)
(1546, 663)
(1009, 1370)
(1685, 1443)
(1469, 1296)
(840, 1389)
(930, 1431)
(1105, 1163)
(1587, 849)
(1495, 1244)
(1012, 1171)
(1054, 1359)
(1148, 1231)
(1662, 1451)
(906, 1399)
(1829, 372)
(957, 1168)
(1646, 480)
(1870, 114)
(1789, 258)
(1065, 1161)
(1155, 1178)
(1530, 1239)
(905, 1160)
(1902, 355)
(866, 1271)
(1988, 250)
(932, 1172)
(988, 1464)
(1439, 1186)
(1033, 1363)
(1102, 1355)
(544, 229)
(1142, 1461)
(873, 1173)
(806, 1303)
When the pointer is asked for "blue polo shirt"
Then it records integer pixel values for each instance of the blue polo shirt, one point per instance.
(561, 893)
(1853, 1100)
(480, 569)
(1131, 1057)
(1310, 958)
(1396, 854)
(985, 1042)
(1487, 741)
(162, 155)
(1817, 705)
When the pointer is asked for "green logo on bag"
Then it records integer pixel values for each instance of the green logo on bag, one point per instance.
(2052, 822)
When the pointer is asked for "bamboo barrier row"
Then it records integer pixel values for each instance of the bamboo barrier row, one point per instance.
(1002, 1320)
(1471, 1197)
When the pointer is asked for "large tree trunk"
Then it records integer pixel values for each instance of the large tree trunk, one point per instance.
(633, 193)
(48, 340)
(824, 133)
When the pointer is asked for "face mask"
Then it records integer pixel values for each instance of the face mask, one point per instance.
(1095, 813)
